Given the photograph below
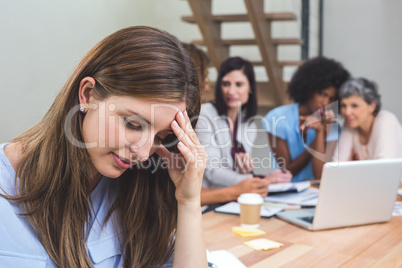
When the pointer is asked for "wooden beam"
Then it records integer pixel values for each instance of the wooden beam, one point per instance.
(262, 32)
(247, 42)
(283, 16)
(210, 30)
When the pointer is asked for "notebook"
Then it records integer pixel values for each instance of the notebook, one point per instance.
(351, 193)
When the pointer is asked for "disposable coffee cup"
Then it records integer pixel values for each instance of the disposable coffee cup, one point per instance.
(250, 209)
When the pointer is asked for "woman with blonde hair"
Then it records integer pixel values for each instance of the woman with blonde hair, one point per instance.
(91, 184)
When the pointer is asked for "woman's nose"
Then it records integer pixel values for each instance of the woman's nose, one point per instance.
(231, 89)
(346, 111)
(142, 151)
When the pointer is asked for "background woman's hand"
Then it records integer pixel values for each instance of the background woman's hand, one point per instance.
(187, 168)
(315, 121)
(279, 176)
(252, 185)
(244, 163)
(354, 156)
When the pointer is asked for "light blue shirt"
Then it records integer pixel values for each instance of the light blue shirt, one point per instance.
(19, 245)
(283, 122)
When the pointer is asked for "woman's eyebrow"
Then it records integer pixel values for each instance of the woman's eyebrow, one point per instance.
(147, 121)
(140, 117)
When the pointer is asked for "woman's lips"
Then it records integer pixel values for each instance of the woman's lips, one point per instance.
(121, 162)
(349, 120)
(231, 100)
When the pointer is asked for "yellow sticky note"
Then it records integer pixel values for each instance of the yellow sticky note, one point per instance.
(263, 244)
(245, 231)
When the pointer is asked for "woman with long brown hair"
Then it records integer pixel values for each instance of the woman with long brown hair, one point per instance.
(91, 184)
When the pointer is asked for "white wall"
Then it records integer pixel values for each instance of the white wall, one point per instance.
(42, 41)
(366, 36)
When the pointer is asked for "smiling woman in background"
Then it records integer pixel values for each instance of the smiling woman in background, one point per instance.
(84, 187)
(369, 132)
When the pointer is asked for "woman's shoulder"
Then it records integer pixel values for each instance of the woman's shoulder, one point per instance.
(285, 116)
(12, 153)
(7, 173)
(386, 115)
(208, 109)
(386, 119)
(283, 110)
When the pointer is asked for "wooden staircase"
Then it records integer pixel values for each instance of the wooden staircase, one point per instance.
(272, 93)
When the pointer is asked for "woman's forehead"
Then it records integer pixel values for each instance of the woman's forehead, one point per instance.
(156, 113)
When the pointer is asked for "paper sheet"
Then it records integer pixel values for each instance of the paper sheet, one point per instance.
(224, 259)
(263, 244)
(246, 231)
(397, 209)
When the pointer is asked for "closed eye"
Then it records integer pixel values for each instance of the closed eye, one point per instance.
(132, 125)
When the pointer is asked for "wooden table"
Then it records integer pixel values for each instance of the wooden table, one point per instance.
(375, 245)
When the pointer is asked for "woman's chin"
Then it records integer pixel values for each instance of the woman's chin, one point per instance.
(352, 125)
(113, 173)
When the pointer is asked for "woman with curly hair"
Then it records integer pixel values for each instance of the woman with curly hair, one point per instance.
(300, 134)
(369, 132)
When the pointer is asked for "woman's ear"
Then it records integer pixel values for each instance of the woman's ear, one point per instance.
(373, 106)
(85, 92)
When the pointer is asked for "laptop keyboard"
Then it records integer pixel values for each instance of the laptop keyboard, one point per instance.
(307, 219)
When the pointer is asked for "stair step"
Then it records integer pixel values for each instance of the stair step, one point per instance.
(240, 42)
(281, 63)
(284, 16)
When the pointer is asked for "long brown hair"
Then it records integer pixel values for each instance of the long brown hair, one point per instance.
(52, 177)
(201, 62)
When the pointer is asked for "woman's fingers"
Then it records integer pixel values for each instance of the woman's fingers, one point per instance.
(191, 149)
(187, 134)
(244, 162)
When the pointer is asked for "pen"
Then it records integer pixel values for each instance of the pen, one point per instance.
(262, 176)
(258, 176)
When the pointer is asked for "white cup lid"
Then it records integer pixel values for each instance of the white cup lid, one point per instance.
(250, 199)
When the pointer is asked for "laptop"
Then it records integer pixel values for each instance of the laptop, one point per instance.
(351, 193)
